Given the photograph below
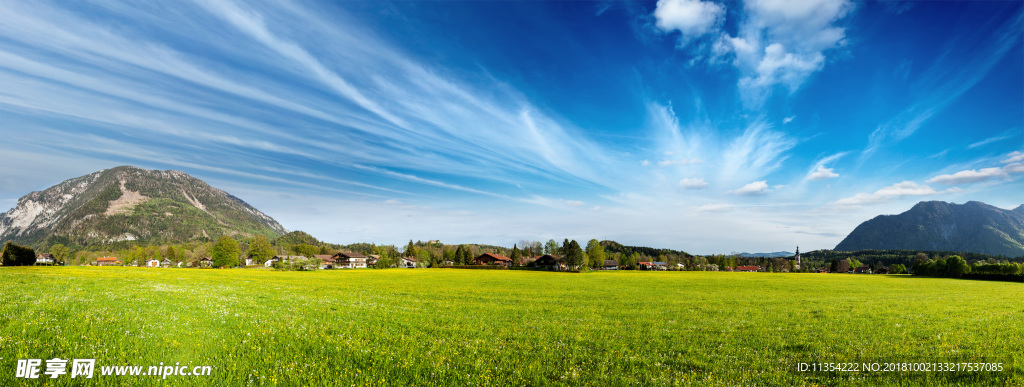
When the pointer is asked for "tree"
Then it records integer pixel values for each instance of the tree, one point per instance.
(551, 247)
(596, 253)
(449, 255)
(18, 255)
(574, 255)
(225, 252)
(467, 255)
(629, 261)
(171, 253)
(138, 255)
(516, 255)
(565, 248)
(59, 252)
(956, 267)
(410, 250)
(854, 263)
(844, 266)
(260, 249)
(305, 250)
(834, 267)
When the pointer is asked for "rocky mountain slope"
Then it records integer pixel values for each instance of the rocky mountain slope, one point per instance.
(939, 226)
(131, 204)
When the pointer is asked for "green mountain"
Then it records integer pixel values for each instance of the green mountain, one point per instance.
(939, 226)
(128, 204)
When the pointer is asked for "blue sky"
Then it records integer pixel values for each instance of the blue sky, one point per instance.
(704, 126)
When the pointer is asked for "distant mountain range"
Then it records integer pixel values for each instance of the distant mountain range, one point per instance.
(131, 204)
(939, 226)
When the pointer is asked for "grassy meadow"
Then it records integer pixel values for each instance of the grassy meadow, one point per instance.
(497, 328)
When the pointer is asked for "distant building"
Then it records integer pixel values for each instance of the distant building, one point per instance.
(281, 258)
(45, 259)
(610, 264)
(166, 263)
(747, 268)
(862, 270)
(408, 263)
(107, 261)
(349, 260)
(549, 261)
(492, 259)
(326, 261)
(153, 263)
(797, 258)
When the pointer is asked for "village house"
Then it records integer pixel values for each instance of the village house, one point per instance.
(372, 259)
(205, 262)
(326, 261)
(610, 264)
(107, 261)
(658, 266)
(45, 259)
(408, 263)
(153, 262)
(492, 259)
(548, 261)
(349, 261)
(166, 263)
(747, 268)
(279, 258)
(862, 270)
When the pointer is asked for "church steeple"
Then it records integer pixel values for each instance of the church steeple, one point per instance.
(798, 257)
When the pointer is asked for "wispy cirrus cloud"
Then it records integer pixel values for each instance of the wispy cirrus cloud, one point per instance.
(940, 85)
(267, 106)
(1011, 133)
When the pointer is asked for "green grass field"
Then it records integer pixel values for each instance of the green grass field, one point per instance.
(480, 327)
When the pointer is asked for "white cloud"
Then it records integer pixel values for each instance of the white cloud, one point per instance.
(693, 18)
(969, 176)
(1014, 157)
(574, 203)
(645, 163)
(716, 207)
(1014, 165)
(822, 173)
(782, 42)
(670, 162)
(755, 188)
(693, 183)
(895, 191)
(788, 119)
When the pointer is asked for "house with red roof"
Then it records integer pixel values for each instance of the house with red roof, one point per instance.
(107, 261)
(492, 259)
